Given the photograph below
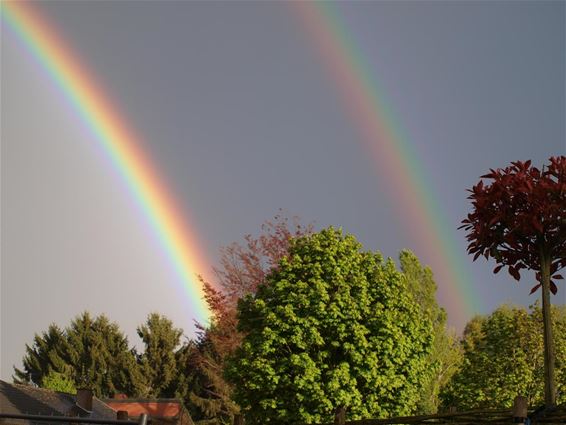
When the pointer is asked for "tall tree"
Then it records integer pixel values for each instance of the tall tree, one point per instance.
(242, 269)
(519, 219)
(43, 357)
(90, 352)
(158, 362)
(504, 357)
(446, 355)
(332, 327)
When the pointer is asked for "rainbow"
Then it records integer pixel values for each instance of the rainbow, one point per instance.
(396, 161)
(99, 114)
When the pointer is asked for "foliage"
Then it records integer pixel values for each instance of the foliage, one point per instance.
(89, 353)
(519, 217)
(42, 357)
(187, 378)
(503, 358)
(58, 382)
(242, 269)
(332, 326)
(158, 362)
(446, 355)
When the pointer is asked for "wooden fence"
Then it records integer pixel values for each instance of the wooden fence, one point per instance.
(519, 414)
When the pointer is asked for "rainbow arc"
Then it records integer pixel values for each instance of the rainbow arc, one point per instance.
(101, 116)
(396, 162)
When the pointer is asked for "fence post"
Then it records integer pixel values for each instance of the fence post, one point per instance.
(340, 416)
(238, 419)
(122, 415)
(520, 413)
(142, 419)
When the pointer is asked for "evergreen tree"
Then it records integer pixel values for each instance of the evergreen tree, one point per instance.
(101, 359)
(90, 353)
(43, 357)
(159, 361)
(188, 380)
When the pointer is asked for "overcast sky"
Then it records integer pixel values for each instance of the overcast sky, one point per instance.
(240, 118)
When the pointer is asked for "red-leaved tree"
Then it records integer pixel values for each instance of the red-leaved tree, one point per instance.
(519, 219)
(242, 269)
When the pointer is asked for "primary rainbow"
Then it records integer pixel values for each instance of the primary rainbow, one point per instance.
(101, 117)
(392, 152)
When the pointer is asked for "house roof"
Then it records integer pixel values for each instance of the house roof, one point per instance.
(28, 400)
(155, 408)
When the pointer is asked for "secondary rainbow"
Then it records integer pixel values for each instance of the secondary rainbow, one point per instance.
(397, 162)
(101, 117)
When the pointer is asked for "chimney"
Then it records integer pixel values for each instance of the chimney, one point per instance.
(122, 415)
(84, 399)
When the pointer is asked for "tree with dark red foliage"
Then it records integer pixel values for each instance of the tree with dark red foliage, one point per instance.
(242, 269)
(519, 219)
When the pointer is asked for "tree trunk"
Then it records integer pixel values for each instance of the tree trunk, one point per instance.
(549, 383)
(340, 415)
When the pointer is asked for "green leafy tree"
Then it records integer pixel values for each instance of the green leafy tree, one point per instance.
(58, 382)
(504, 357)
(90, 352)
(446, 355)
(158, 362)
(332, 327)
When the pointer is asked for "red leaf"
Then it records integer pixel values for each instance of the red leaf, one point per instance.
(553, 288)
(557, 276)
(496, 270)
(513, 272)
(534, 289)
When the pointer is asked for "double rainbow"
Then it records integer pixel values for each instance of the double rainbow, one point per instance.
(100, 115)
(362, 99)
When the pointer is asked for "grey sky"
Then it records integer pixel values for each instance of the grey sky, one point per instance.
(241, 119)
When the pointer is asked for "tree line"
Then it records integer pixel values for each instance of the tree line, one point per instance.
(347, 325)
(306, 324)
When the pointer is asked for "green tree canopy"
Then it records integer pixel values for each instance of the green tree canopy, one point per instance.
(446, 355)
(504, 357)
(158, 362)
(42, 357)
(90, 352)
(331, 326)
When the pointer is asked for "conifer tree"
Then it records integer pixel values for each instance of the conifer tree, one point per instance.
(90, 352)
(158, 362)
(42, 357)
